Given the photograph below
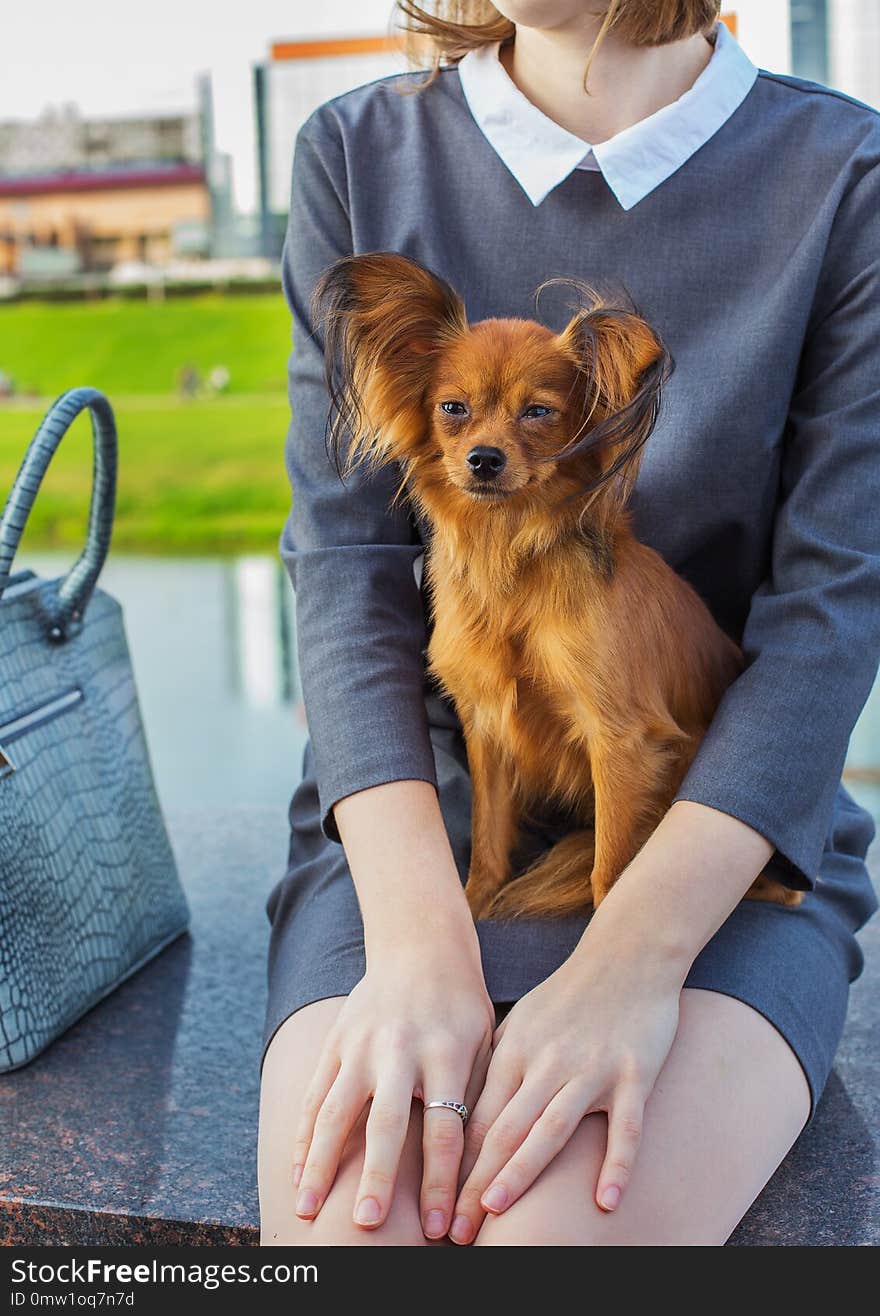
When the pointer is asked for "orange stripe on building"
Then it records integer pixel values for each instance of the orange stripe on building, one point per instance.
(330, 46)
(333, 46)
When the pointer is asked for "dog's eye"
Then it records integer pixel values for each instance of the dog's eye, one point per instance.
(536, 412)
(454, 408)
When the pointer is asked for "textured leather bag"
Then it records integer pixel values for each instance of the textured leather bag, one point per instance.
(89, 889)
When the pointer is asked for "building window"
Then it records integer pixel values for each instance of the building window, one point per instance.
(809, 39)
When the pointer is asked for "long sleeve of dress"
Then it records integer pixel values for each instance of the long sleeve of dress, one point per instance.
(359, 612)
(775, 750)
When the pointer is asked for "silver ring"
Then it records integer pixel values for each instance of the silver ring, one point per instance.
(458, 1106)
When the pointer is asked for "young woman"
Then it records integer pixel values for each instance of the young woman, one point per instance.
(656, 1061)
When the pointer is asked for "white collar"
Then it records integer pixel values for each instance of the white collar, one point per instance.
(540, 154)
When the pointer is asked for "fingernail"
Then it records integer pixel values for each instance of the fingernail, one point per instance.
(461, 1229)
(307, 1202)
(297, 1175)
(368, 1211)
(435, 1224)
(495, 1198)
(610, 1198)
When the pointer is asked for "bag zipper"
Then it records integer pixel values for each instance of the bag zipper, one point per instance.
(35, 717)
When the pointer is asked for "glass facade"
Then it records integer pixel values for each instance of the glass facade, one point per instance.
(809, 39)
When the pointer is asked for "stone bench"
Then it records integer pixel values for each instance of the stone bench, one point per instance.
(139, 1125)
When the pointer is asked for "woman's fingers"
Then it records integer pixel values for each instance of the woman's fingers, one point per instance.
(387, 1125)
(625, 1119)
(501, 1079)
(322, 1080)
(442, 1146)
(545, 1139)
(496, 1181)
(335, 1119)
(503, 1117)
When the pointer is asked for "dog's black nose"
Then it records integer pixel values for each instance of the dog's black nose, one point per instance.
(486, 463)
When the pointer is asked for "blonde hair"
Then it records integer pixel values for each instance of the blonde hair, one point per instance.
(443, 31)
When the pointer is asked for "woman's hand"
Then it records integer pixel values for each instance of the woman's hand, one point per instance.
(418, 1024)
(591, 1037)
(595, 1035)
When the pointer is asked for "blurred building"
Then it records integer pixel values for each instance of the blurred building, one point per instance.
(297, 77)
(838, 42)
(81, 195)
(809, 39)
(853, 37)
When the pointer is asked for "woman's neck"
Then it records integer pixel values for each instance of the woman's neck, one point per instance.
(627, 82)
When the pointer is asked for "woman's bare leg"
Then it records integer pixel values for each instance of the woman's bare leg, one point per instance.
(728, 1104)
(290, 1062)
(727, 1107)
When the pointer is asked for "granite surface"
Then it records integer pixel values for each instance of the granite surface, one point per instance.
(827, 1191)
(139, 1125)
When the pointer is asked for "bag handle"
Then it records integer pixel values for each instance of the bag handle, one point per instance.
(75, 590)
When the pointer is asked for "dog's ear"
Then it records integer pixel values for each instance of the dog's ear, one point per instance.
(622, 366)
(385, 319)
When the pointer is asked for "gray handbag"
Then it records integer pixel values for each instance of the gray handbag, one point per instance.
(89, 889)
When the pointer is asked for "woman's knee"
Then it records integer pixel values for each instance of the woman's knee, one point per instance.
(288, 1066)
(334, 1224)
(727, 1106)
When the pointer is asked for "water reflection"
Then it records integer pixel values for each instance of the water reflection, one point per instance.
(214, 652)
(259, 611)
(212, 643)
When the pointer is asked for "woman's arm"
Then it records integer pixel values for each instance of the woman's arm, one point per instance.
(419, 1023)
(764, 777)
(774, 752)
(625, 977)
(420, 1020)
(360, 620)
(674, 895)
(410, 894)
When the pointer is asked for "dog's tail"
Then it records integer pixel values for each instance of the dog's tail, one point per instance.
(557, 883)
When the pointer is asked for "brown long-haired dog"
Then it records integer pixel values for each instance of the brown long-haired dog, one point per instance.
(584, 670)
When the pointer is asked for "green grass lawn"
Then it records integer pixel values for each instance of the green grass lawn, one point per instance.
(124, 346)
(196, 476)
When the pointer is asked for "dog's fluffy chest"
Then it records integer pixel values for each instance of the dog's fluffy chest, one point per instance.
(516, 665)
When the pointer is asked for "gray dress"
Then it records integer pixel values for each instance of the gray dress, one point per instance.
(757, 260)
